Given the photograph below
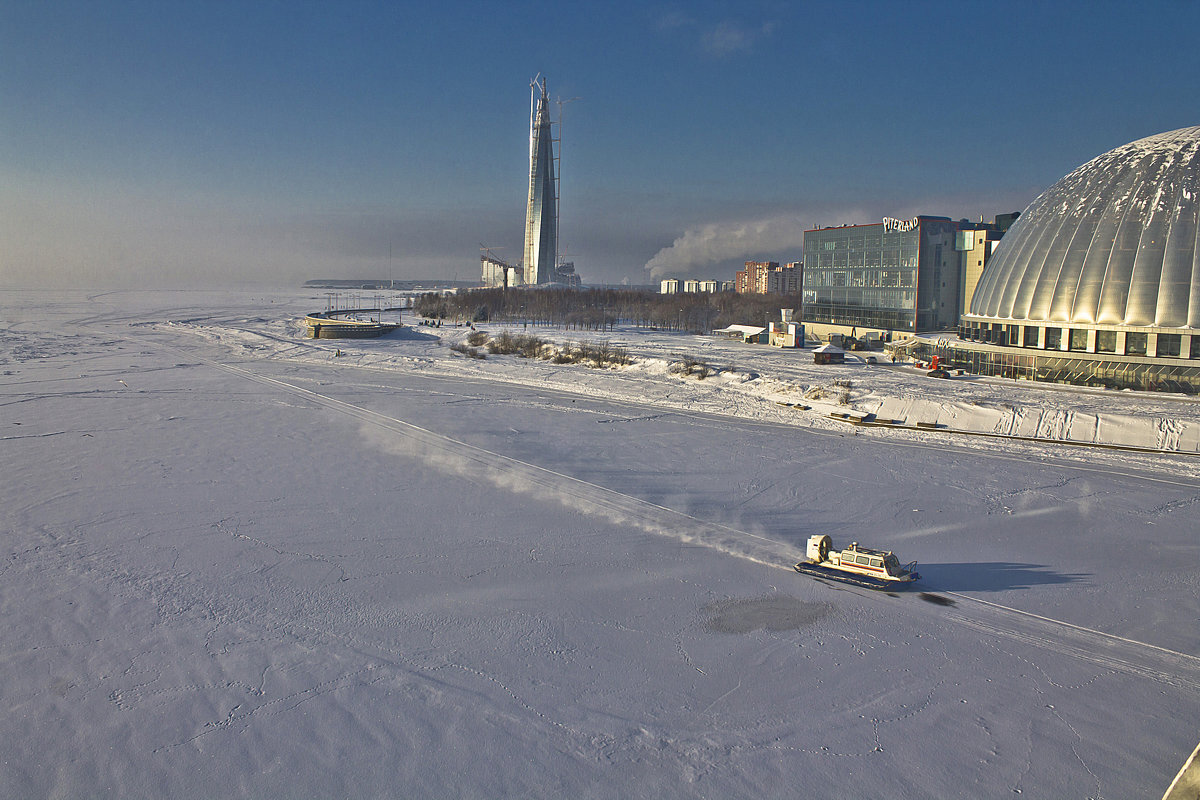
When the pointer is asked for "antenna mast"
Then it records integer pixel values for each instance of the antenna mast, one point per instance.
(558, 173)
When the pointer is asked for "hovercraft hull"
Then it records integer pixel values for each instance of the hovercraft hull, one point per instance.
(858, 579)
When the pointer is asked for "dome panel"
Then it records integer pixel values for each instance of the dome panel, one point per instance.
(1174, 296)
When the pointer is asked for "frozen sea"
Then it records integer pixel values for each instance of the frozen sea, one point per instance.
(239, 564)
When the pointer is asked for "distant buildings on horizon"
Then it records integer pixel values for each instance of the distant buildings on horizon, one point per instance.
(1098, 286)
(767, 277)
(1116, 290)
(677, 286)
(388, 284)
(893, 276)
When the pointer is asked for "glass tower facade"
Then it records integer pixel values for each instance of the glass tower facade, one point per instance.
(541, 216)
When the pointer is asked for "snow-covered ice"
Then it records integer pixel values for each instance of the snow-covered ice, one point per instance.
(240, 565)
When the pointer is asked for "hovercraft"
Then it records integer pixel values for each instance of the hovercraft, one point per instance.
(861, 566)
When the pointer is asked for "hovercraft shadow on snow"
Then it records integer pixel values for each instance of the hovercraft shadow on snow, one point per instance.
(993, 576)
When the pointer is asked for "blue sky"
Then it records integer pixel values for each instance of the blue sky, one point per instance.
(211, 143)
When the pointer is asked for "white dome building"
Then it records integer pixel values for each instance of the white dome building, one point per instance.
(1098, 281)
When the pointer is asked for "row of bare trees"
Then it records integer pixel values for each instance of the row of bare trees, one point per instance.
(601, 309)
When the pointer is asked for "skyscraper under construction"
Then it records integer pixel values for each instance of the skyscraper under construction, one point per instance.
(541, 216)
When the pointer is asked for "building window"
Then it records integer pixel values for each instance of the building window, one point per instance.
(1014, 335)
(1053, 338)
(1169, 344)
(1135, 344)
(1106, 341)
(1078, 339)
(1031, 335)
(1195, 345)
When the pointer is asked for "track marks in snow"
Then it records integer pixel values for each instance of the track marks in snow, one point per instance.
(32, 436)
(1171, 507)
(1107, 651)
(1112, 652)
(645, 418)
(223, 527)
(474, 463)
(1040, 693)
(237, 718)
(510, 693)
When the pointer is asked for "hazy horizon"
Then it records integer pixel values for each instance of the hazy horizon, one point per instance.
(201, 144)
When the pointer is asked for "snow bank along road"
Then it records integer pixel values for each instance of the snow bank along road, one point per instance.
(242, 575)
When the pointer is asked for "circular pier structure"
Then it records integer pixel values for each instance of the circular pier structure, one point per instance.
(349, 323)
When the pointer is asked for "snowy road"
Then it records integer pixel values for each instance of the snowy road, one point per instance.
(244, 576)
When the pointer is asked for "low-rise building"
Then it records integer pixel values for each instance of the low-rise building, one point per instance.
(689, 286)
(786, 334)
(975, 244)
(499, 274)
(750, 334)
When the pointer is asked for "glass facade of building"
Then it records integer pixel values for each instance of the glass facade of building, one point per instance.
(1062, 367)
(891, 277)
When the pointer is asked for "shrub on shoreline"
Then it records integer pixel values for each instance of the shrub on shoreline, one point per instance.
(690, 365)
(598, 355)
(468, 351)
